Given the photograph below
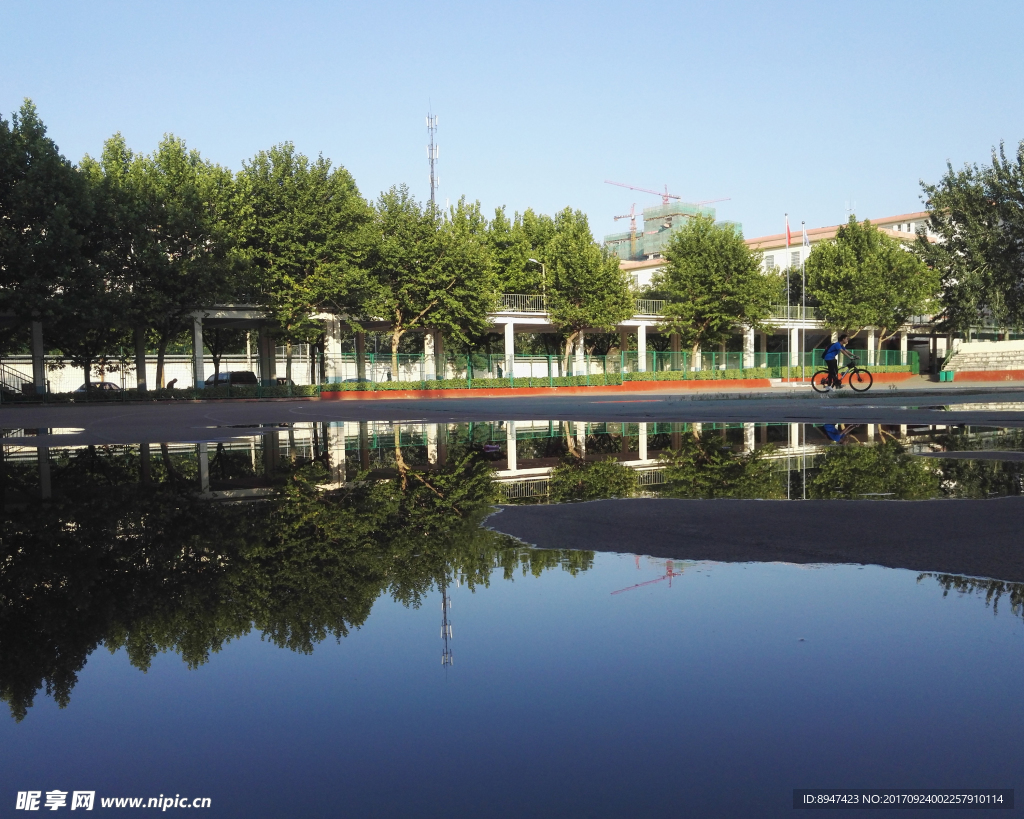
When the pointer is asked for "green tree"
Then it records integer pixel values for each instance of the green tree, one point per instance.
(711, 283)
(47, 238)
(885, 469)
(577, 480)
(976, 214)
(519, 250)
(302, 228)
(702, 468)
(428, 270)
(586, 288)
(867, 279)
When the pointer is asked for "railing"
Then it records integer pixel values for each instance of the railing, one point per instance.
(518, 303)
(794, 312)
(12, 381)
(416, 371)
(650, 307)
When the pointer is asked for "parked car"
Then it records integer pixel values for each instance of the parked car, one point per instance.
(238, 378)
(358, 381)
(102, 387)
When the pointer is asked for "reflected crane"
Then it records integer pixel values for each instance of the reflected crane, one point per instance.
(670, 572)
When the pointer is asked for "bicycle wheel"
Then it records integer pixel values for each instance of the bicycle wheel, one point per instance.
(819, 381)
(860, 380)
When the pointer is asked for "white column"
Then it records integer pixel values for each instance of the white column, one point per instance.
(38, 360)
(641, 348)
(204, 468)
(432, 443)
(429, 362)
(510, 444)
(581, 437)
(870, 432)
(871, 347)
(510, 349)
(198, 374)
(903, 349)
(643, 441)
(440, 365)
(336, 450)
(794, 347)
(794, 435)
(764, 349)
(748, 347)
(579, 365)
(696, 363)
(748, 437)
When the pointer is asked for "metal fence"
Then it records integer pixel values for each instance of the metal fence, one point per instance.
(418, 371)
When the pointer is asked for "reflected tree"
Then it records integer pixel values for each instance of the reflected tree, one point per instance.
(577, 480)
(154, 568)
(885, 469)
(703, 468)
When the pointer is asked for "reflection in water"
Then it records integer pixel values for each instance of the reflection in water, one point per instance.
(155, 566)
(296, 531)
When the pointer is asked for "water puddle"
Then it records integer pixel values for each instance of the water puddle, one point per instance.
(344, 598)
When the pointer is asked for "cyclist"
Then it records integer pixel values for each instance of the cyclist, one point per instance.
(831, 358)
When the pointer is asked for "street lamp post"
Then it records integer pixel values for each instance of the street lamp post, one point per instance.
(543, 280)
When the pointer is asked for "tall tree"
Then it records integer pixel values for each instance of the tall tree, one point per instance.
(302, 227)
(867, 279)
(976, 212)
(46, 213)
(586, 288)
(428, 270)
(711, 283)
(519, 250)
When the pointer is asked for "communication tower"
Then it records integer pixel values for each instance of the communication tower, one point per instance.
(432, 154)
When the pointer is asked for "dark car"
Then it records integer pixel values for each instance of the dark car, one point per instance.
(239, 378)
(102, 387)
(358, 381)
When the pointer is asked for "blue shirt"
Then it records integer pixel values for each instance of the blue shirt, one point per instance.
(832, 351)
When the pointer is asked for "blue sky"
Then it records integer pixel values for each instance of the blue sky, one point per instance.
(798, 107)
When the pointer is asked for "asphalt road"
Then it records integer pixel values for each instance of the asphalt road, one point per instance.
(980, 538)
(167, 422)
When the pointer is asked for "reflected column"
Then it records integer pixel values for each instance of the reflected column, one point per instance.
(510, 445)
(204, 468)
(45, 485)
(432, 443)
(364, 445)
(643, 441)
(748, 437)
(145, 474)
(336, 451)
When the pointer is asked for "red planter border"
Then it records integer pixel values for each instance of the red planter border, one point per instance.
(988, 375)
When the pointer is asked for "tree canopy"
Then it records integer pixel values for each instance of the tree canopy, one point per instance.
(711, 283)
(976, 213)
(586, 289)
(867, 279)
(428, 270)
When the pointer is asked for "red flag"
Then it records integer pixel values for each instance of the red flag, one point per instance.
(789, 236)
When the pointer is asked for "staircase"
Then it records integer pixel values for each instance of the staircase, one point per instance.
(13, 383)
(981, 356)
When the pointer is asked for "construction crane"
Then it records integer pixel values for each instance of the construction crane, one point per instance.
(665, 195)
(632, 228)
(670, 572)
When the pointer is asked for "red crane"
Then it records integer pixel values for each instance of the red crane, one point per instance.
(670, 572)
(632, 228)
(665, 196)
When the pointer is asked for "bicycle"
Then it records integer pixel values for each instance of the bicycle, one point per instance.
(858, 379)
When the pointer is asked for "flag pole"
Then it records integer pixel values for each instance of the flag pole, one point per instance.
(803, 304)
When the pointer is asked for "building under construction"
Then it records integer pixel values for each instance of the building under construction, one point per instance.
(660, 222)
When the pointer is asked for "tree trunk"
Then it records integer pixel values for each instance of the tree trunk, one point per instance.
(140, 360)
(88, 375)
(569, 343)
(396, 336)
(161, 354)
(288, 362)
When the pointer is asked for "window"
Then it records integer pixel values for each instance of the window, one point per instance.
(769, 262)
(794, 259)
